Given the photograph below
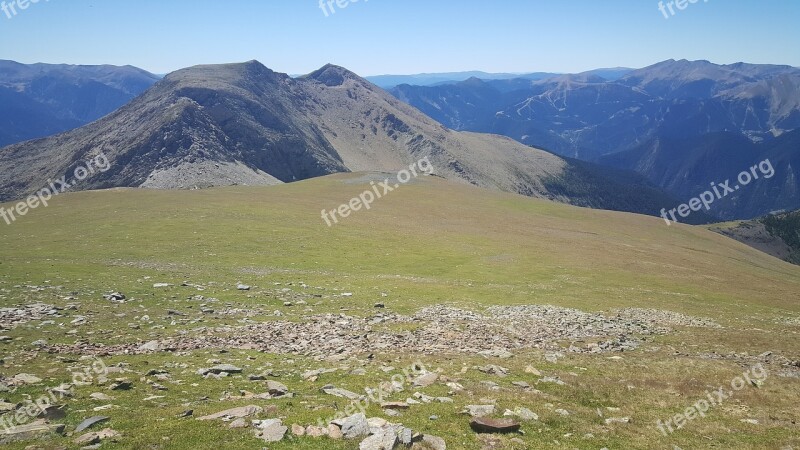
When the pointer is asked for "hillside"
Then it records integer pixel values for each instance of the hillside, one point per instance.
(243, 124)
(777, 234)
(598, 323)
(38, 100)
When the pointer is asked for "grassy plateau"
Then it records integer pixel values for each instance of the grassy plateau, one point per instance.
(430, 242)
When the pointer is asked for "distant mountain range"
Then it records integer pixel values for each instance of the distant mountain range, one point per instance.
(39, 100)
(682, 124)
(245, 124)
(432, 79)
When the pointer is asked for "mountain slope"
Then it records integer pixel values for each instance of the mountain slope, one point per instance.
(39, 100)
(777, 235)
(245, 124)
(686, 167)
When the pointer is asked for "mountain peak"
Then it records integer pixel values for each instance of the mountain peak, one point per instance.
(473, 81)
(243, 74)
(332, 75)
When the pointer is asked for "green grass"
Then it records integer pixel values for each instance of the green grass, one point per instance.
(429, 242)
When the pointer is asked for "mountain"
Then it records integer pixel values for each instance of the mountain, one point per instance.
(587, 116)
(777, 234)
(439, 79)
(40, 100)
(646, 112)
(245, 124)
(431, 79)
(686, 167)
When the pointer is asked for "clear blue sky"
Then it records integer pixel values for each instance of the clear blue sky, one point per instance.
(401, 36)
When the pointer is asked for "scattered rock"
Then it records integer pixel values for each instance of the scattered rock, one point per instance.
(234, 413)
(121, 385)
(426, 379)
(25, 378)
(34, 430)
(492, 369)
(335, 432)
(316, 373)
(479, 410)
(382, 439)
(53, 412)
(613, 420)
(355, 426)
(219, 369)
(90, 422)
(429, 442)
(553, 380)
(343, 393)
(497, 353)
(152, 346)
(115, 297)
(238, 424)
(7, 407)
(488, 425)
(96, 437)
(395, 405)
(277, 389)
(272, 430)
(522, 413)
(314, 431)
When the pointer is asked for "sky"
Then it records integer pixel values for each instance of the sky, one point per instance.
(375, 37)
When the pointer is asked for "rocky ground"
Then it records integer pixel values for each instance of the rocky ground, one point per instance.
(347, 344)
(433, 330)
